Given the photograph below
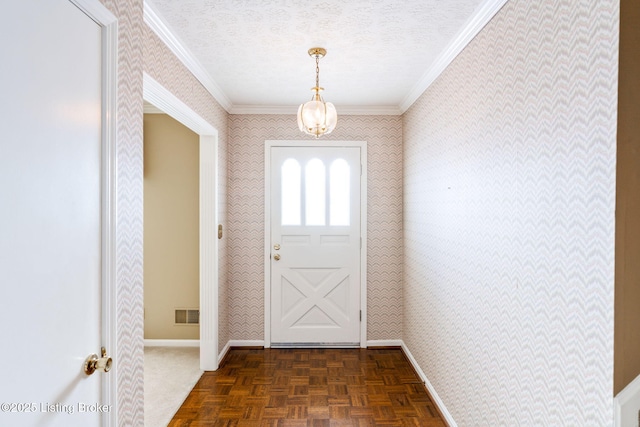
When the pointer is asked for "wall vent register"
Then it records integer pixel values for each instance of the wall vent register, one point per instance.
(187, 317)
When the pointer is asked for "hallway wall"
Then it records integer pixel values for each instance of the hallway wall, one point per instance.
(627, 315)
(247, 134)
(509, 197)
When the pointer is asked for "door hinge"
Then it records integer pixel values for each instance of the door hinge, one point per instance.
(361, 243)
(361, 315)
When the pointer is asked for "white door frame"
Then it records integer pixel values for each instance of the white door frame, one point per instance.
(109, 24)
(160, 97)
(268, 144)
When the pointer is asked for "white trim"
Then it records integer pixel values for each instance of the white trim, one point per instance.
(238, 343)
(413, 361)
(157, 95)
(151, 109)
(209, 252)
(343, 110)
(434, 395)
(384, 343)
(95, 10)
(267, 246)
(245, 343)
(364, 217)
(98, 12)
(171, 343)
(109, 201)
(223, 353)
(268, 144)
(484, 13)
(160, 97)
(158, 25)
(630, 395)
(368, 110)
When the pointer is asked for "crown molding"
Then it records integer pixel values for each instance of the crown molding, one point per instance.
(263, 109)
(344, 110)
(484, 13)
(158, 26)
(368, 110)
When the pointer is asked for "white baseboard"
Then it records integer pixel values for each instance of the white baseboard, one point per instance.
(384, 343)
(171, 343)
(434, 395)
(238, 343)
(413, 361)
(627, 405)
(223, 353)
(246, 343)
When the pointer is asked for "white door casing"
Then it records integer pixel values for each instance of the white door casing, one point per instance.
(56, 214)
(317, 269)
(161, 98)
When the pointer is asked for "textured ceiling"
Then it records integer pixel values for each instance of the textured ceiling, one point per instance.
(256, 51)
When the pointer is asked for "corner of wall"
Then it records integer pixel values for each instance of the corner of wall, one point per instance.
(627, 405)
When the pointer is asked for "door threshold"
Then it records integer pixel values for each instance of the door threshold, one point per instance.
(315, 345)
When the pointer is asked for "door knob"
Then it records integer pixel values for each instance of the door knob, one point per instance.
(276, 257)
(276, 246)
(93, 363)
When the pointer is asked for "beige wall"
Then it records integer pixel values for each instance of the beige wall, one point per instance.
(247, 134)
(627, 311)
(509, 209)
(171, 229)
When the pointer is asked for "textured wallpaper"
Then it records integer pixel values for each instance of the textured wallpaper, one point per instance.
(134, 38)
(509, 202)
(166, 69)
(128, 355)
(247, 134)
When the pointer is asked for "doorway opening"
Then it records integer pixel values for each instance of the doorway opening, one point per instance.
(197, 234)
(171, 231)
(157, 95)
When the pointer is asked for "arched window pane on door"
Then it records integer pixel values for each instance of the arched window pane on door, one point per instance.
(290, 178)
(315, 193)
(339, 193)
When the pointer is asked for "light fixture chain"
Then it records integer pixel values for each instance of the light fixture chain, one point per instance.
(317, 70)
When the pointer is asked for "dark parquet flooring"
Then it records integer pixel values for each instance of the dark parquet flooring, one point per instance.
(310, 387)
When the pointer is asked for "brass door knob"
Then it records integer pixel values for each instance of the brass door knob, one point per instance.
(276, 257)
(93, 363)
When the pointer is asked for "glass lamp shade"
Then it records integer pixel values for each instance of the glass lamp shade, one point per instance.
(317, 117)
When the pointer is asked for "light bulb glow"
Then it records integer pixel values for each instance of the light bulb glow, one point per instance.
(317, 117)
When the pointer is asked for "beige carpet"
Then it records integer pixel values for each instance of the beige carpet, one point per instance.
(169, 375)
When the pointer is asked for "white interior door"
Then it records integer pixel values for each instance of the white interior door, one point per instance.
(50, 214)
(315, 246)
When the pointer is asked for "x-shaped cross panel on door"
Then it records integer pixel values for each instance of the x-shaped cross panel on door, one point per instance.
(308, 305)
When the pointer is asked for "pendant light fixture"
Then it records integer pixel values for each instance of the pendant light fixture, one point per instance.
(317, 117)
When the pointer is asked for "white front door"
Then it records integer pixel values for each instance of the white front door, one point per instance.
(50, 214)
(315, 245)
